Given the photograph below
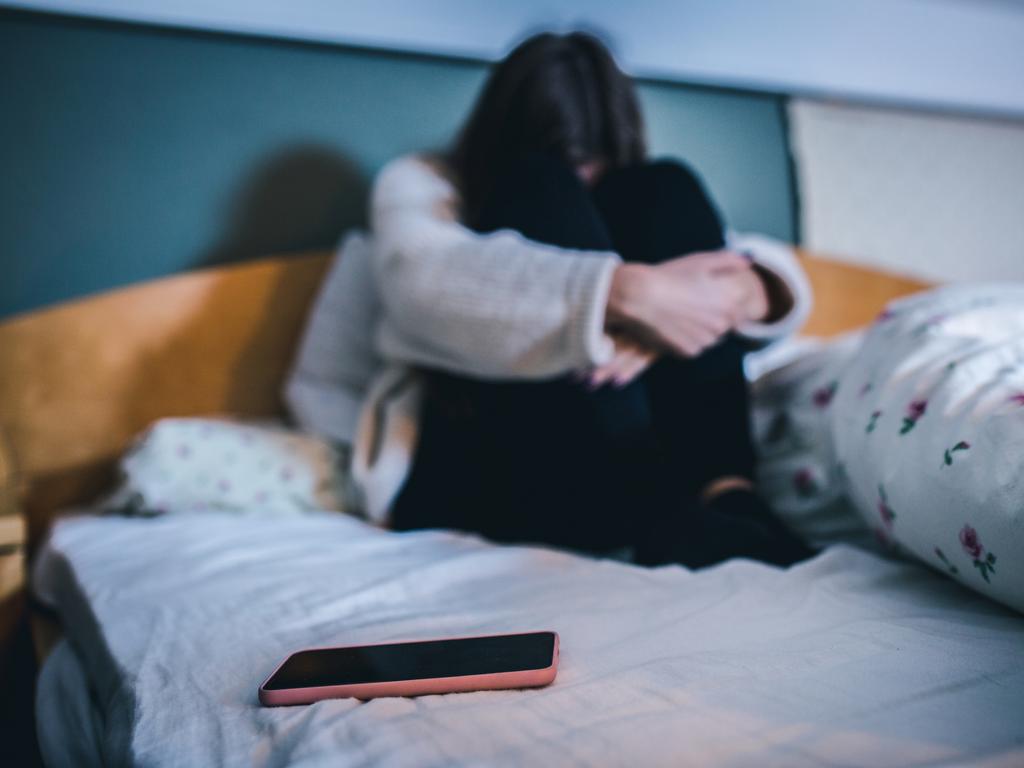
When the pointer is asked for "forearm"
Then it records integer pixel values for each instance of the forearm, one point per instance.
(495, 305)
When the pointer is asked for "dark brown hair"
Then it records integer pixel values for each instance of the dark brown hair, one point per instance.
(563, 93)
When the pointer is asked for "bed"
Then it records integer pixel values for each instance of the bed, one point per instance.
(168, 624)
(848, 658)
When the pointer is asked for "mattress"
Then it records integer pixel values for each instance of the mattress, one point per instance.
(847, 659)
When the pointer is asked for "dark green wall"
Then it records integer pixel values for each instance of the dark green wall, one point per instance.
(129, 152)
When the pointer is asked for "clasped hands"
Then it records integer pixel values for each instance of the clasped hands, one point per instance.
(681, 307)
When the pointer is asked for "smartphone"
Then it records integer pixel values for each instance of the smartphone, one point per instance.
(448, 665)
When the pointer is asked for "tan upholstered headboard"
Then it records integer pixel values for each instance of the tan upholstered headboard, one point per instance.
(79, 380)
(847, 296)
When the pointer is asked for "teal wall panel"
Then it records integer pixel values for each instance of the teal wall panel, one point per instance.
(129, 152)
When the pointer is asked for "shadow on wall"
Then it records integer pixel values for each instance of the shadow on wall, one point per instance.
(302, 198)
(224, 349)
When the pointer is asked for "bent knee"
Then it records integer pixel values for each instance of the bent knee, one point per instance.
(669, 175)
(655, 181)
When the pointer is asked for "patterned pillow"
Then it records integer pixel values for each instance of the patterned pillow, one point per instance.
(928, 427)
(797, 473)
(194, 464)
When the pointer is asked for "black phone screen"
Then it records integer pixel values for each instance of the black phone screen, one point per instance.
(415, 661)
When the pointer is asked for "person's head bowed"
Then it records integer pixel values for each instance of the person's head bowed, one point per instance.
(554, 92)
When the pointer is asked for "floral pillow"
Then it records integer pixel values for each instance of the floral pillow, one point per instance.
(928, 429)
(195, 464)
(797, 472)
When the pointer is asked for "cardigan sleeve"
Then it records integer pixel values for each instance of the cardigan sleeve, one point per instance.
(778, 258)
(490, 305)
(500, 305)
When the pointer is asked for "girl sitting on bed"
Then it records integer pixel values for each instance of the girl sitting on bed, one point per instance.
(579, 325)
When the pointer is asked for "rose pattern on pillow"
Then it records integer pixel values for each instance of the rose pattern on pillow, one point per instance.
(797, 470)
(914, 413)
(947, 457)
(984, 561)
(928, 427)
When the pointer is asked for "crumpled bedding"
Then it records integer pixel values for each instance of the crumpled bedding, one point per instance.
(847, 659)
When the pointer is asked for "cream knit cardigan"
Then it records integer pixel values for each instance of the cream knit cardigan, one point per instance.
(490, 305)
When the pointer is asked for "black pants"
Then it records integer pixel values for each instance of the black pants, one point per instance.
(552, 461)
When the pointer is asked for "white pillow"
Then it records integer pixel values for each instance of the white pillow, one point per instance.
(335, 362)
(193, 464)
(797, 473)
(928, 425)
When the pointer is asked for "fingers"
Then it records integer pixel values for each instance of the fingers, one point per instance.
(688, 339)
(630, 361)
(716, 261)
(713, 311)
(600, 375)
(634, 362)
(690, 303)
(698, 326)
(693, 343)
(719, 319)
(724, 297)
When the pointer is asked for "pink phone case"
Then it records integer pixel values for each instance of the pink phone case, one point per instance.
(529, 678)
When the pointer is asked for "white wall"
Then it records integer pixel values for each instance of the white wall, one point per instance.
(933, 196)
(961, 54)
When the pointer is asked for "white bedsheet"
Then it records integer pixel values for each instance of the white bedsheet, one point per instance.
(848, 659)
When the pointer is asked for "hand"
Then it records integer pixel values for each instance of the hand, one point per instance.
(631, 358)
(754, 301)
(684, 305)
